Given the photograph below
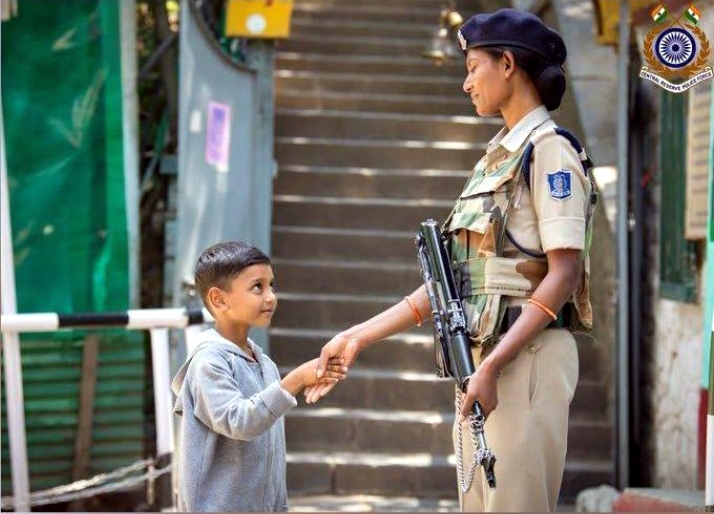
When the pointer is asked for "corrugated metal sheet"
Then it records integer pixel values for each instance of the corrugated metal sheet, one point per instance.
(51, 372)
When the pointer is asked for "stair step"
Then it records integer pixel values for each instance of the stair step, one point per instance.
(323, 277)
(406, 352)
(409, 352)
(423, 474)
(369, 183)
(424, 4)
(311, 212)
(583, 474)
(322, 13)
(401, 46)
(372, 102)
(293, 81)
(444, 155)
(365, 430)
(410, 390)
(416, 67)
(362, 430)
(587, 438)
(357, 28)
(388, 390)
(324, 245)
(328, 311)
(383, 125)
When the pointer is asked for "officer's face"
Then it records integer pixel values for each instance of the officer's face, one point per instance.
(485, 82)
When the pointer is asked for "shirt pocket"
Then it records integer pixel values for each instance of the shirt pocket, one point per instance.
(472, 220)
(481, 210)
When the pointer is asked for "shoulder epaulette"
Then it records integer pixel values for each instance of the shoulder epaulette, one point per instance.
(542, 134)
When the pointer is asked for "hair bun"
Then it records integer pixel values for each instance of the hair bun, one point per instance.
(551, 86)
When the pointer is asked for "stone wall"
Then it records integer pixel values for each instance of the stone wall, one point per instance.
(676, 373)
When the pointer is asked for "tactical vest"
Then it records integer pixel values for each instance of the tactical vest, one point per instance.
(476, 232)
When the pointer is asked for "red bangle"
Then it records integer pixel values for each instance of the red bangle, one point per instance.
(415, 311)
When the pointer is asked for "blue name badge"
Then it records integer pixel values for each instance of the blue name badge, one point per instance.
(559, 184)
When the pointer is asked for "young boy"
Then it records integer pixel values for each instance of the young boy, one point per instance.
(229, 394)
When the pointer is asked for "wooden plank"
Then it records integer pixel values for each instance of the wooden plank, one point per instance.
(85, 416)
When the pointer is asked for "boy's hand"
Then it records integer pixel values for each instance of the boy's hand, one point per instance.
(306, 375)
(334, 372)
(341, 347)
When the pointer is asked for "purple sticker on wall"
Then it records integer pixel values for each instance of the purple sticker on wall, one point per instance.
(218, 134)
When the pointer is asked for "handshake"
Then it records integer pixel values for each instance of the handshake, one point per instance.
(317, 377)
(341, 350)
(309, 376)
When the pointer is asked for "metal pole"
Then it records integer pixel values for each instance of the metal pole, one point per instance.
(130, 139)
(161, 367)
(11, 348)
(709, 470)
(162, 390)
(622, 364)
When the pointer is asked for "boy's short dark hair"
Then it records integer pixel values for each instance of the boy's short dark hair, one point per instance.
(222, 262)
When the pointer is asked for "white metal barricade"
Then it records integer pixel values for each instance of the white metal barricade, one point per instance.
(156, 321)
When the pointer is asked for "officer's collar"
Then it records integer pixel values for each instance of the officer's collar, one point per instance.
(513, 139)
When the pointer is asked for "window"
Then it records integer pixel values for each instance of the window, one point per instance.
(677, 254)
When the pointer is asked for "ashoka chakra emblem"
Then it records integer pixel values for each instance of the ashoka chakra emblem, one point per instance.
(675, 47)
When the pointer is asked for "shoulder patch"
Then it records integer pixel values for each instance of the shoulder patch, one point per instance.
(559, 184)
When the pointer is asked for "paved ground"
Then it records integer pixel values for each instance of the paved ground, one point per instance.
(366, 503)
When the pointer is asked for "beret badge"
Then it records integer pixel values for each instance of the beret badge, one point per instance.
(462, 40)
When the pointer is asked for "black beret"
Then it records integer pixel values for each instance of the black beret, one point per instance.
(512, 27)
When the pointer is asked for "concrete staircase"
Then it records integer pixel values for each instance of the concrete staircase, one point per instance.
(371, 139)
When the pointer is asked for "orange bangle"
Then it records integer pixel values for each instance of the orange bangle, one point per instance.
(415, 311)
(542, 307)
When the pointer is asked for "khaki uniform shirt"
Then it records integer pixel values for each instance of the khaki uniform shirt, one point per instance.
(552, 214)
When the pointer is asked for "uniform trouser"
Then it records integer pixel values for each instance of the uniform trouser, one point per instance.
(528, 430)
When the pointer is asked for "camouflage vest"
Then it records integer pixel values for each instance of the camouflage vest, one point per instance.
(476, 231)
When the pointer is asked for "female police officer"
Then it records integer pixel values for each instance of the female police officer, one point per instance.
(518, 233)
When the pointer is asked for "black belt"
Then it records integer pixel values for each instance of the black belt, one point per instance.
(512, 313)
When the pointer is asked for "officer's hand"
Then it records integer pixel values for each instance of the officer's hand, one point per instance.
(482, 387)
(341, 346)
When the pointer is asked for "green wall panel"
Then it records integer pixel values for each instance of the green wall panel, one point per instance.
(63, 113)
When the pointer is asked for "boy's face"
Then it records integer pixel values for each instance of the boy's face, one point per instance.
(250, 300)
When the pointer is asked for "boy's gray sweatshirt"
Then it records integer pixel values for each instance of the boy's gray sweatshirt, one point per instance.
(231, 450)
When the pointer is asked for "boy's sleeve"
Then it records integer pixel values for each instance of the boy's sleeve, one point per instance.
(560, 192)
(223, 407)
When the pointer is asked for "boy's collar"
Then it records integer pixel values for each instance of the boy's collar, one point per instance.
(213, 334)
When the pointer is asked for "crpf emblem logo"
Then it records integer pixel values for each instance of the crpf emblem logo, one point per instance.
(676, 50)
(559, 184)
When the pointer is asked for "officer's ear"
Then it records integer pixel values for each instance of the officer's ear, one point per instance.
(509, 63)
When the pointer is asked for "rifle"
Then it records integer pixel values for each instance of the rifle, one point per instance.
(451, 343)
